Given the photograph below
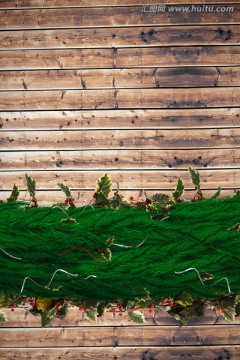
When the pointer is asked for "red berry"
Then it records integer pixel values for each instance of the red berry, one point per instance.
(58, 307)
(199, 193)
(66, 201)
(170, 303)
(131, 198)
(150, 307)
(112, 309)
(179, 200)
(99, 251)
(218, 308)
(150, 311)
(122, 196)
(70, 202)
(139, 203)
(12, 310)
(73, 199)
(193, 200)
(80, 309)
(115, 193)
(94, 196)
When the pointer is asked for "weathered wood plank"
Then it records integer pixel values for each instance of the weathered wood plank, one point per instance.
(123, 353)
(179, 56)
(227, 178)
(113, 16)
(120, 57)
(110, 336)
(13, 4)
(120, 78)
(120, 139)
(77, 318)
(120, 159)
(84, 196)
(120, 98)
(134, 36)
(107, 119)
(56, 59)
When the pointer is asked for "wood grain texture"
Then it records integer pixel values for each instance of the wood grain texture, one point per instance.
(140, 179)
(120, 98)
(120, 159)
(13, 4)
(78, 318)
(120, 119)
(120, 78)
(123, 353)
(118, 36)
(120, 57)
(120, 139)
(112, 16)
(110, 336)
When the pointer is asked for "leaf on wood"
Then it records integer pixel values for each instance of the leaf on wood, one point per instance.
(183, 299)
(91, 314)
(65, 189)
(137, 317)
(14, 194)
(229, 314)
(217, 193)
(163, 198)
(44, 304)
(179, 190)
(3, 318)
(102, 306)
(4, 299)
(195, 177)
(48, 316)
(62, 312)
(104, 185)
(185, 313)
(31, 185)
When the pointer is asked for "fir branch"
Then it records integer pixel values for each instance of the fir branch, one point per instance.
(14, 194)
(31, 185)
(195, 177)
(65, 189)
(104, 185)
(179, 190)
(217, 193)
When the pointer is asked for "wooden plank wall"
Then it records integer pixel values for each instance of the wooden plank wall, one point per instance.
(118, 338)
(88, 87)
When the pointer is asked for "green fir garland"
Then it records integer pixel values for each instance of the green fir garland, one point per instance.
(120, 253)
